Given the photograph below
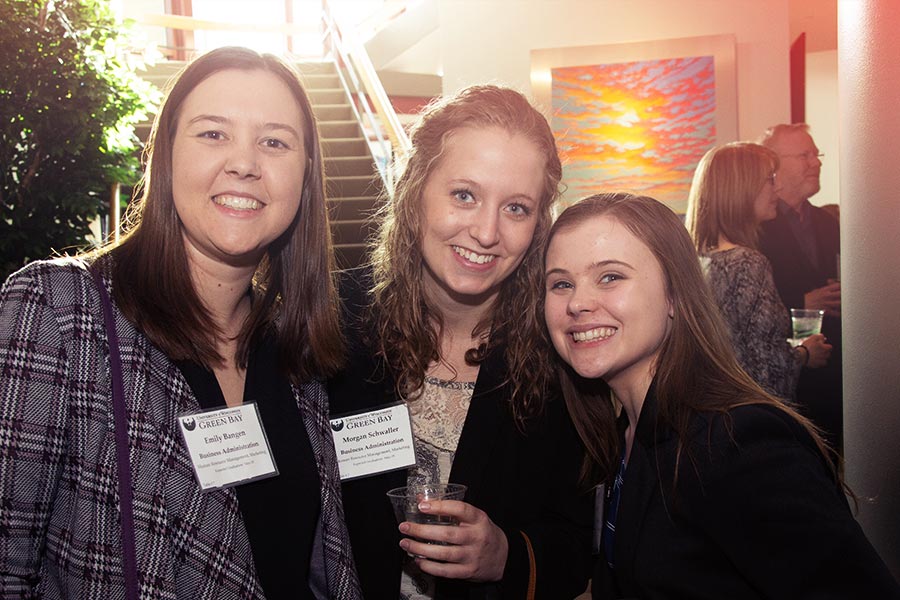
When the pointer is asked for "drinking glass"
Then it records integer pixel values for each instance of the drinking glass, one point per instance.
(405, 501)
(805, 322)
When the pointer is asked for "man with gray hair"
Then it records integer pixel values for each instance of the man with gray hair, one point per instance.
(803, 245)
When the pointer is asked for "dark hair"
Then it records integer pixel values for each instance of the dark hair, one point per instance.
(723, 194)
(293, 285)
(696, 370)
(408, 327)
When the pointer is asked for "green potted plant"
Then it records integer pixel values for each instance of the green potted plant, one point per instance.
(69, 98)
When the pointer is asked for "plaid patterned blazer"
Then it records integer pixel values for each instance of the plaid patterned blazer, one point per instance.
(59, 508)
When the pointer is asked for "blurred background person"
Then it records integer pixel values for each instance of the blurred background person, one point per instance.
(733, 192)
(446, 320)
(803, 243)
(714, 488)
(835, 211)
(222, 295)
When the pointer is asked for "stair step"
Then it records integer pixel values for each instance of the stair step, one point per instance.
(325, 67)
(333, 112)
(355, 146)
(352, 209)
(338, 129)
(352, 232)
(321, 81)
(327, 96)
(349, 256)
(353, 185)
(337, 166)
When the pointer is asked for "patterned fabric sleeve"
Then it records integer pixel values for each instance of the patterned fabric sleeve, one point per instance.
(741, 281)
(33, 413)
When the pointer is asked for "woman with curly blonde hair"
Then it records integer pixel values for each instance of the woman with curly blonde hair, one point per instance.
(446, 321)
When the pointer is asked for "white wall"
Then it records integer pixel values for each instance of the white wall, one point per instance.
(821, 114)
(490, 40)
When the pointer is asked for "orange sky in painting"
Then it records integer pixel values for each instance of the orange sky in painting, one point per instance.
(640, 126)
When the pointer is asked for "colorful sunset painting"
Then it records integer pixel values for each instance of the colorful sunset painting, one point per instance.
(638, 126)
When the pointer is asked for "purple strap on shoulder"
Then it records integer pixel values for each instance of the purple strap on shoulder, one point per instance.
(129, 560)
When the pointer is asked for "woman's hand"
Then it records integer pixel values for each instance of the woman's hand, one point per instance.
(819, 351)
(476, 550)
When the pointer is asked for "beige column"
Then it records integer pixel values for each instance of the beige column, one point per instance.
(868, 92)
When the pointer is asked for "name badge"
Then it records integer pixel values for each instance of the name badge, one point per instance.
(227, 446)
(373, 442)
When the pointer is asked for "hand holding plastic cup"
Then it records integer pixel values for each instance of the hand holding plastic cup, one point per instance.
(805, 322)
(405, 501)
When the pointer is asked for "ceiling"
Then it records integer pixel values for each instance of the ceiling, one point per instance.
(818, 18)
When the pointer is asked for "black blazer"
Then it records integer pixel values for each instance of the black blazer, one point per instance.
(793, 272)
(819, 391)
(755, 514)
(525, 483)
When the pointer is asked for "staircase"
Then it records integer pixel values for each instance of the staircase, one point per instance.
(353, 186)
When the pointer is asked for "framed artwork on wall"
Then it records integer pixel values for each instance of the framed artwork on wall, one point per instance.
(638, 116)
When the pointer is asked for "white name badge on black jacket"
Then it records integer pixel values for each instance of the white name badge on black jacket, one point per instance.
(228, 446)
(373, 442)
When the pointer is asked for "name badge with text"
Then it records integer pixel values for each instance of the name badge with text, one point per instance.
(227, 446)
(373, 442)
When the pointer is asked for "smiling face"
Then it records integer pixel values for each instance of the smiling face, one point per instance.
(798, 175)
(238, 164)
(478, 214)
(606, 305)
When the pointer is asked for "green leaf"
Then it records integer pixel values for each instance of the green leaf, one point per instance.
(69, 98)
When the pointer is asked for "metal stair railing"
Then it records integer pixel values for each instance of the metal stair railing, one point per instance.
(361, 83)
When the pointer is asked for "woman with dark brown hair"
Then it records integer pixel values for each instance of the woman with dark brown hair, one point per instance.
(446, 323)
(714, 488)
(163, 425)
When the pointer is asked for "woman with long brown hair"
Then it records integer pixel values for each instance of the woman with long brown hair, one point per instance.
(446, 323)
(714, 488)
(734, 191)
(163, 425)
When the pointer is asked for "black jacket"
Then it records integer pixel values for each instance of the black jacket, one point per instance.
(756, 514)
(819, 391)
(525, 483)
(794, 273)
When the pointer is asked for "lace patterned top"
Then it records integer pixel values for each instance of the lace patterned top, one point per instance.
(742, 284)
(438, 416)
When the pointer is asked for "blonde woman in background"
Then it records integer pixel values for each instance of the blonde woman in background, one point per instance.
(733, 192)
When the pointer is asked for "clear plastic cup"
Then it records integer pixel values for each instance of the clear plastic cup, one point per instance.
(806, 322)
(405, 501)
